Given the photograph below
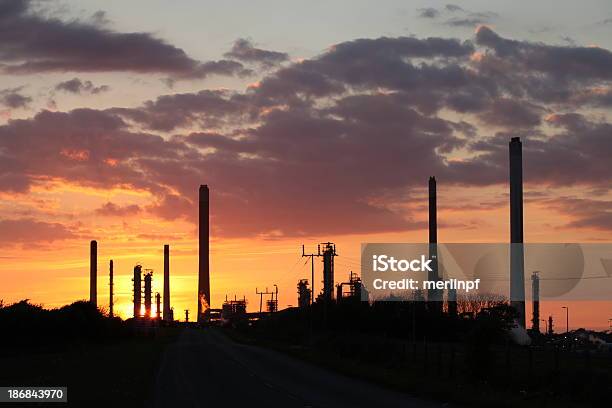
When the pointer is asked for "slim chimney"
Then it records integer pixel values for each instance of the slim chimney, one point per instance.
(110, 302)
(433, 295)
(93, 273)
(433, 211)
(166, 283)
(204, 272)
(535, 288)
(517, 266)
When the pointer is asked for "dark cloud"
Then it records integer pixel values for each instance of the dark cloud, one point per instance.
(32, 43)
(472, 19)
(78, 86)
(368, 63)
(205, 109)
(13, 98)
(570, 62)
(466, 21)
(244, 50)
(366, 119)
(512, 113)
(453, 8)
(428, 12)
(110, 209)
(460, 17)
(28, 232)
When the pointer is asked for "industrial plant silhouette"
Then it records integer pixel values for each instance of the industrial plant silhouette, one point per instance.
(447, 347)
(236, 308)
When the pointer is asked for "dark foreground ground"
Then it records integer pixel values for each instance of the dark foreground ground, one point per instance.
(119, 374)
(205, 368)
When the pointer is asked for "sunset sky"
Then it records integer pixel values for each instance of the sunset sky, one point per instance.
(309, 121)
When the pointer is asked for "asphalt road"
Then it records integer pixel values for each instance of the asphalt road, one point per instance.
(204, 368)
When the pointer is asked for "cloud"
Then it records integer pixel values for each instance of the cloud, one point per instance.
(12, 98)
(460, 17)
(561, 62)
(453, 8)
(512, 113)
(472, 19)
(428, 12)
(20, 232)
(33, 43)
(585, 212)
(206, 108)
(365, 119)
(78, 86)
(110, 209)
(244, 50)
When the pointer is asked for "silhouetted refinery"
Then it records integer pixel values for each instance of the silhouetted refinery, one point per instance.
(438, 299)
(235, 309)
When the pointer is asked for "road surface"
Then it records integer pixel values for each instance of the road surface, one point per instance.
(204, 368)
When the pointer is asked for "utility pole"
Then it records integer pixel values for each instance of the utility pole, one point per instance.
(261, 294)
(186, 315)
(312, 256)
(566, 318)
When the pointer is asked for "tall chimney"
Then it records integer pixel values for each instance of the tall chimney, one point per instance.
(166, 283)
(535, 288)
(433, 295)
(433, 211)
(204, 272)
(517, 266)
(93, 273)
(110, 302)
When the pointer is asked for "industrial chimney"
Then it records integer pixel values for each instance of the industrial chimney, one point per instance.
(110, 285)
(517, 271)
(93, 273)
(433, 295)
(166, 283)
(535, 288)
(137, 290)
(148, 287)
(204, 272)
(329, 252)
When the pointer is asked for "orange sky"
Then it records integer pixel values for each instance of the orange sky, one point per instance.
(57, 273)
(335, 142)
